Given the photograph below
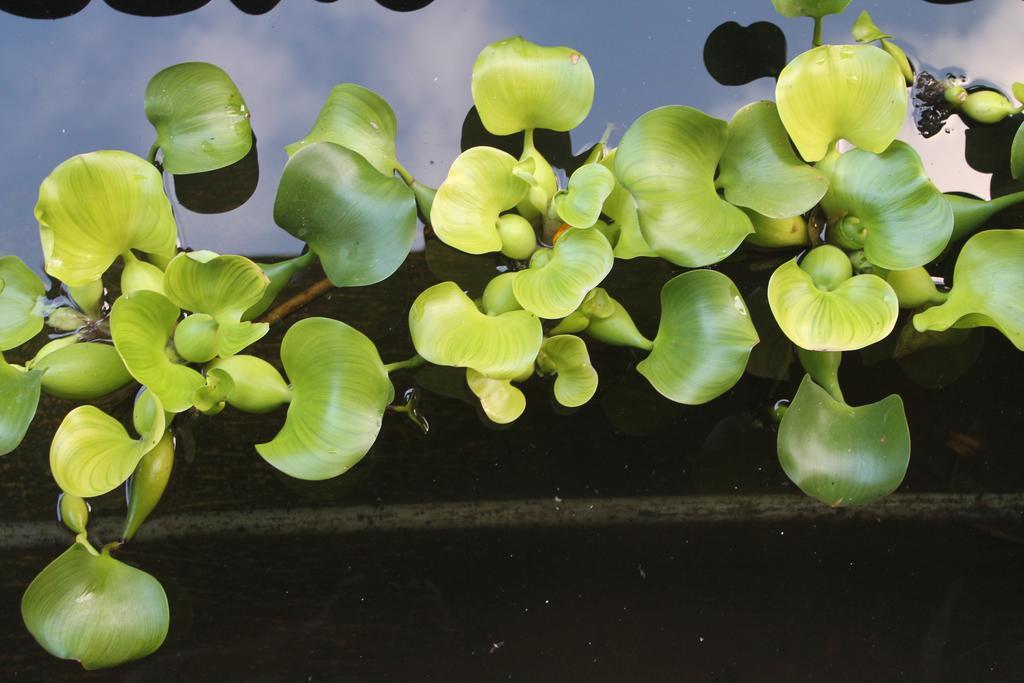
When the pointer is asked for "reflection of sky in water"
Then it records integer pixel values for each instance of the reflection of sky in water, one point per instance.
(76, 85)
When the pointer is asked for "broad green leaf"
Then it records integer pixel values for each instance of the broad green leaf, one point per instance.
(448, 329)
(558, 279)
(566, 356)
(865, 31)
(359, 119)
(887, 205)
(501, 402)
(897, 53)
(92, 608)
(20, 290)
(1017, 154)
(259, 387)
(147, 485)
(704, 338)
(589, 187)
(360, 222)
(96, 206)
(809, 8)
(83, 371)
(833, 92)
(842, 455)
(19, 397)
(518, 85)
(667, 161)
(839, 316)
(221, 286)
(92, 453)
(620, 206)
(988, 288)
(339, 392)
(499, 296)
(759, 169)
(141, 324)
(480, 185)
(201, 120)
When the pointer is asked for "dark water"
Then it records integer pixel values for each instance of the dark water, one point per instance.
(750, 600)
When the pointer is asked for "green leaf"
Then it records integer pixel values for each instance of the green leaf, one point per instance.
(147, 485)
(201, 120)
(777, 233)
(809, 8)
(843, 316)
(259, 387)
(1017, 154)
(82, 371)
(480, 185)
(96, 206)
(211, 398)
(279, 274)
(359, 119)
(566, 356)
(704, 338)
(339, 392)
(841, 455)
(899, 217)
(914, 287)
(92, 608)
(518, 85)
(138, 275)
(589, 187)
(20, 290)
(518, 238)
(667, 161)
(833, 92)
(448, 329)
(501, 402)
(92, 453)
(221, 286)
(498, 296)
(141, 324)
(617, 327)
(865, 31)
(988, 288)
(19, 397)
(359, 222)
(558, 279)
(759, 169)
(620, 206)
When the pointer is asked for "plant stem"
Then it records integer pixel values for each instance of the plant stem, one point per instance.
(406, 176)
(409, 364)
(151, 157)
(816, 41)
(313, 292)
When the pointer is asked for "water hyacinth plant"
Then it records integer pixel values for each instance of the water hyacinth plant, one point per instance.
(855, 227)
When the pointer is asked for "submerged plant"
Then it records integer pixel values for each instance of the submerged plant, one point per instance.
(681, 185)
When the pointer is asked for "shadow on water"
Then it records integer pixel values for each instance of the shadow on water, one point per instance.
(222, 190)
(764, 52)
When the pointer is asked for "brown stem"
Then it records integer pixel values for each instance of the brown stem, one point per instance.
(314, 291)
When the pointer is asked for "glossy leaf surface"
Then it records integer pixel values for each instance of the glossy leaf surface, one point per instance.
(84, 371)
(589, 187)
(94, 207)
(518, 85)
(259, 387)
(200, 117)
(667, 161)
(480, 185)
(842, 455)
(20, 289)
(92, 453)
(759, 169)
(566, 356)
(557, 280)
(360, 222)
(141, 324)
(448, 329)
(339, 392)
(95, 609)
(704, 338)
(147, 484)
(500, 400)
(19, 397)
(904, 219)
(359, 119)
(988, 288)
(852, 314)
(833, 92)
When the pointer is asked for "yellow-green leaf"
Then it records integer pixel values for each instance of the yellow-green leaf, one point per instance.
(558, 279)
